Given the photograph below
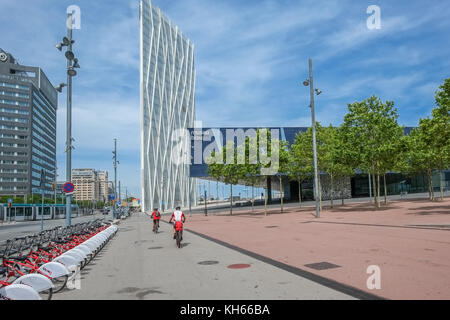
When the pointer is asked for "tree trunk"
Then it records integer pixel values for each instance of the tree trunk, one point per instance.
(342, 190)
(265, 201)
(374, 186)
(429, 185)
(320, 194)
(442, 184)
(300, 193)
(378, 191)
(253, 197)
(231, 199)
(385, 189)
(281, 193)
(331, 190)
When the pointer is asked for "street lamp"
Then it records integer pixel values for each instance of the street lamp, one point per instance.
(72, 63)
(115, 163)
(309, 82)
(60, 86)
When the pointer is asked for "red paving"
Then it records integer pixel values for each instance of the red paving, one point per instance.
(414, 261)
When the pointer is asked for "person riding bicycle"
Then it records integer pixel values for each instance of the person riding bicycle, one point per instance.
(156, 216)
(179, 218)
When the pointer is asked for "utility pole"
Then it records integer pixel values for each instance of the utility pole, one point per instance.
(72, 64)
(162, 190)
(310, 83)
(115, 162)
(69, 122)
(55, 186)
(42, 189)
(206, 205)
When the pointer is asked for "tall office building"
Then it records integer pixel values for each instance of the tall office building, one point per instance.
(167, 80)
(28, 103)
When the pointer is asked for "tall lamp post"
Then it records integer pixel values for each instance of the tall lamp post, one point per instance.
(42, 185)
(309, 82)
(115, 163)
(72, 64)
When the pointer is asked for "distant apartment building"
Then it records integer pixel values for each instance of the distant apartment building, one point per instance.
(28, 104)
(86, 184)
(90, 185)
(103, 191)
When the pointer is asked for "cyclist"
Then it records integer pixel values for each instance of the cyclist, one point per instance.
(179, 218)
(156, 216)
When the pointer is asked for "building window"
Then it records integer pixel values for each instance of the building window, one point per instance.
(14, 102)
(15, 86)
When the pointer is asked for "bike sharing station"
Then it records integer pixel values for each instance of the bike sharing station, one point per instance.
(37, 266)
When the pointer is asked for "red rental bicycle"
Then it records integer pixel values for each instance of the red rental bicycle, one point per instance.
(178, 233)
(13, 267)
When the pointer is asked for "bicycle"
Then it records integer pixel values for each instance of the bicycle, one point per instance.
(178, 233)
(178, 238)
(155, 226)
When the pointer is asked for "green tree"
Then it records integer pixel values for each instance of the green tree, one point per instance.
(333, 158)
(283, 167)
(251, 168)
(229, 173)
(368, 127)
(419, 158)
(301, 165)
(440, 130)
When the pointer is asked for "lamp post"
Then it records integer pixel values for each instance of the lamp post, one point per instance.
(72, 63)
(55, 185)
(310, 83)
(42, 184)
(115, 162)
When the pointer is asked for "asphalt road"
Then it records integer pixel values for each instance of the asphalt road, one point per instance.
(138, 264)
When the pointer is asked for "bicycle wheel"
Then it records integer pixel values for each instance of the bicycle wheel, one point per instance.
(46, 294)
(178, 239)
(59, 283)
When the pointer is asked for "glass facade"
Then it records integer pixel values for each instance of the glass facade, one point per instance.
(28, 105)
(167, 104)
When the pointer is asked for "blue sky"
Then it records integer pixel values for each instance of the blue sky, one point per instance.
(250, 57)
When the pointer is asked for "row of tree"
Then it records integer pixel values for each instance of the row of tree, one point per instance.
(370, 139)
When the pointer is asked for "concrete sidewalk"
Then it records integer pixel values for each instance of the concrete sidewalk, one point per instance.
(138, 264)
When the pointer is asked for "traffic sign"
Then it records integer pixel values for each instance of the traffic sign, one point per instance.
(10, 202)
(68, 187)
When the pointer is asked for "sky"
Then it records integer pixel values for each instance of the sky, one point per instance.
(251, 58)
